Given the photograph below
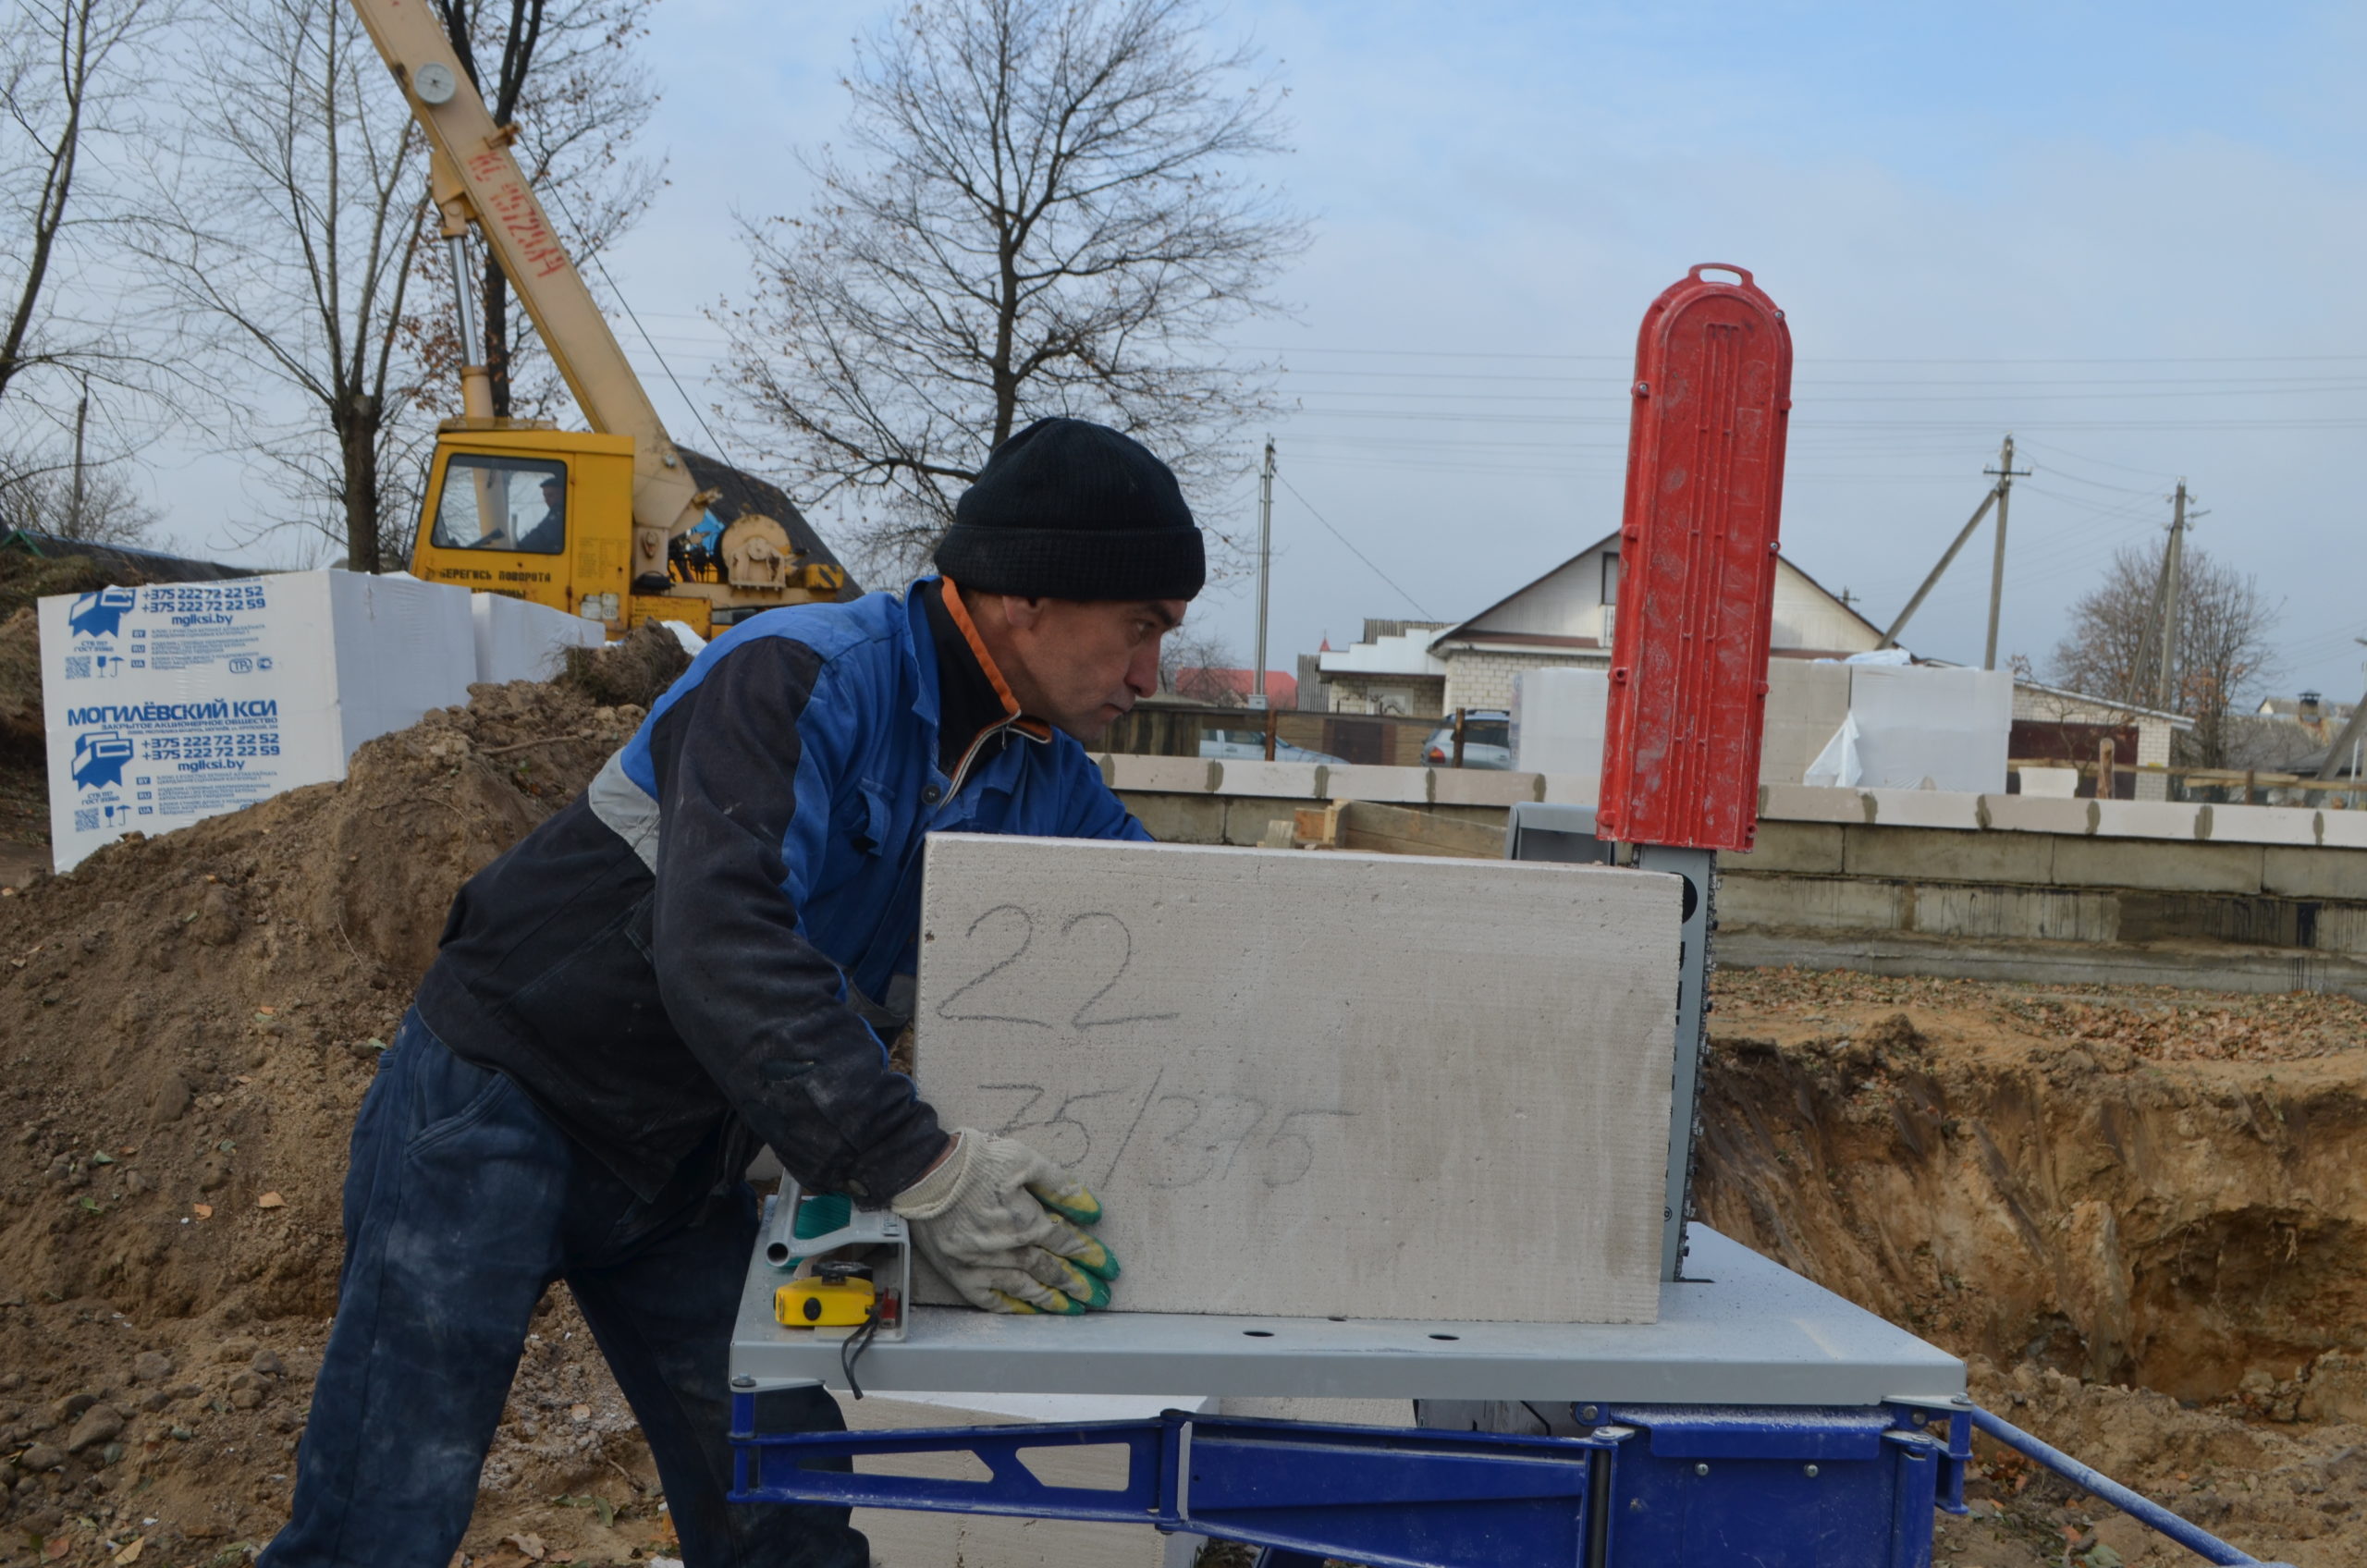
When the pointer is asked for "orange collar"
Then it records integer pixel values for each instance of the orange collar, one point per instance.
(1035, 728)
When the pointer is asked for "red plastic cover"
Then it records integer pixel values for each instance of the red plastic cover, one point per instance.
(1697, 573)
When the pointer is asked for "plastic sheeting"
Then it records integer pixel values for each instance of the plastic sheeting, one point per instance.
(518, 640)
(1557, 720)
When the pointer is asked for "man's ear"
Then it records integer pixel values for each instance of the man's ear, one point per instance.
(1022, 615)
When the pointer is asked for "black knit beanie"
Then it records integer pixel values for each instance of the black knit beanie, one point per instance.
(1070, 509)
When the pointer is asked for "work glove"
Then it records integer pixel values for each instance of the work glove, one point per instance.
(1000, 1221)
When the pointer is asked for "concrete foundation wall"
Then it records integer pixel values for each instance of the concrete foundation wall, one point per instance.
(1945, 868)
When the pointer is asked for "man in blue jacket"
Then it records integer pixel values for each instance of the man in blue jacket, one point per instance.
(702, 954)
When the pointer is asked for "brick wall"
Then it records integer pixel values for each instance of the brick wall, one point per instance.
(1484, 679)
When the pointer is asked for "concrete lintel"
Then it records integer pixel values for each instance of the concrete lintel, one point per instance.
(1918, 853)
(1811, 846)
(2106, 861)
(2314, 873)
(2347, 829)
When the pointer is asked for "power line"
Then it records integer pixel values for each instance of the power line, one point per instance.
(592, 255)
(1353, 550)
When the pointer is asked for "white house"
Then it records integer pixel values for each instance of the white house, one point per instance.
(1564, 618)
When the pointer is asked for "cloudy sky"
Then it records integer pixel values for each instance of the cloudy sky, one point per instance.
(2129, 233)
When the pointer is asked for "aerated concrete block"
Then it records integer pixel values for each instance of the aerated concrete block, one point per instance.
(1366, 781)
(2263, 825)
(1192, 775)
(1807, 803)
(1926, 808)
(1480, 787)
(2039, 814)
(2147, 819)
(1319, 1083)
(1293, 780)
(2347, 829)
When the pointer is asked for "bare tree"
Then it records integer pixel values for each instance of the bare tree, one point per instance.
(1043, 214)
(2114, 648)
(104, 508)
(301, 225)
(1185, 660)
(562, 73)
(291, 227)
(68, 79)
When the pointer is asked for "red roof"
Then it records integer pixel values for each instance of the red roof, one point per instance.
(1204, 685)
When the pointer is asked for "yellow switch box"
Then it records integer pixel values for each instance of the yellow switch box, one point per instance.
(825, 1304)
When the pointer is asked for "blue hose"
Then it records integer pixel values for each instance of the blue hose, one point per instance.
(2194, 1537)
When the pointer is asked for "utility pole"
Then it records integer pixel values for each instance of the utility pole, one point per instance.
(2346, 748)
(1996, 494)
(2166, 687)
(2007, 473)
(74, 503)
(1265, 570)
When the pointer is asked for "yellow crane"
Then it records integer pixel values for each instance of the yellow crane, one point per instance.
(617, 524)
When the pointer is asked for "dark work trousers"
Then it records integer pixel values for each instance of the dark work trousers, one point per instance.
(463, 1202)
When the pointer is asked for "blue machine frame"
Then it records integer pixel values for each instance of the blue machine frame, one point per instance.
(1651, 1485)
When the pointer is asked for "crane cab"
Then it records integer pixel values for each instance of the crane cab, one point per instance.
(540, 515)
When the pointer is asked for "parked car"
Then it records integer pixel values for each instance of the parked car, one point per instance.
(1249, 745)
(1487, 742)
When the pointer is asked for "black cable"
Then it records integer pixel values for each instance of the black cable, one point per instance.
(850, 1349)
(1352, 549)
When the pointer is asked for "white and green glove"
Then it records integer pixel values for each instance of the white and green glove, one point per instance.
(1000, 1222)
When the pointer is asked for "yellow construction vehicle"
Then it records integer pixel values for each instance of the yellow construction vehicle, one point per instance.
(617, 524)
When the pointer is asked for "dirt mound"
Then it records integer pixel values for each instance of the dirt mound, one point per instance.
(185, 1026)
(2140, 1211)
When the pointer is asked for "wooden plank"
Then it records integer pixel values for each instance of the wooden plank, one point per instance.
(1319, 1085)
(1398, 830)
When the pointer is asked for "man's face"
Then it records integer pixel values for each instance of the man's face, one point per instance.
(554, 492)
(1079, 665)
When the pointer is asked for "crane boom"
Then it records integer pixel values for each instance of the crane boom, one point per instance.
(477, 179)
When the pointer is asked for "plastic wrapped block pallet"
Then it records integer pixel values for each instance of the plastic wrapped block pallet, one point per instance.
(915, 1538)
(1558, 718)
(519, 641)
(175, 702)
(1918, 723)
(1307, 1084)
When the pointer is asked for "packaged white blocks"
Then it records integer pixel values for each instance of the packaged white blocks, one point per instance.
(171, 703)
(520, 641)
(1558, 721)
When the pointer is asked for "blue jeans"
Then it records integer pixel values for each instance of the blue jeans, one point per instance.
(463, 1202)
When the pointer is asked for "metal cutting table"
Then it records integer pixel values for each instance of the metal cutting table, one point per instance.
(1743, 1330)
